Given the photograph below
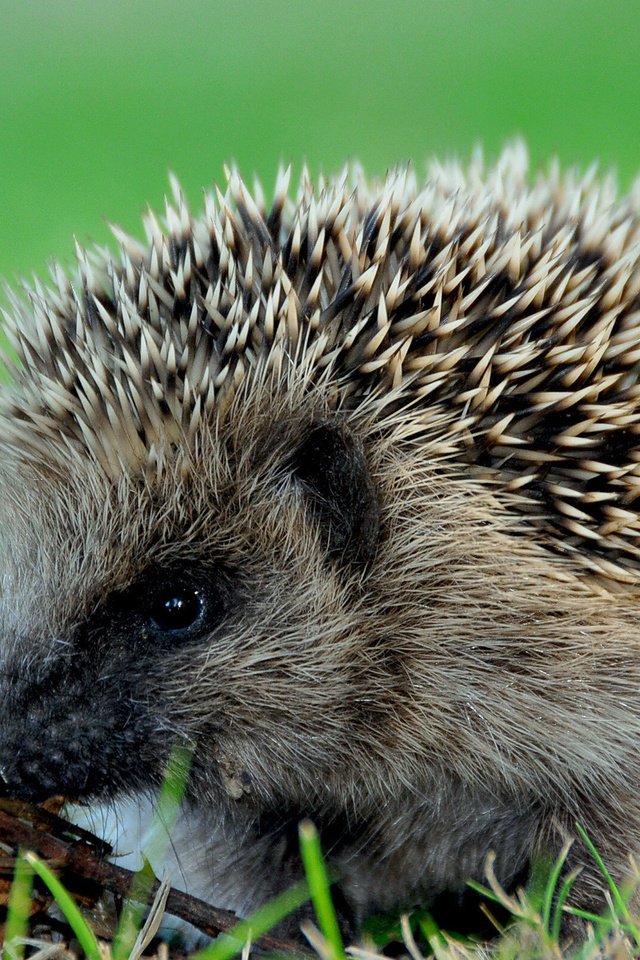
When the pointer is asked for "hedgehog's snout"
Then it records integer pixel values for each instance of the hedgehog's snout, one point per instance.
(39, 761)
(40, 754)
(54, 731)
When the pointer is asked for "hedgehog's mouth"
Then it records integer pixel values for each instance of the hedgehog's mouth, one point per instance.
(87, 751)
(81, 767)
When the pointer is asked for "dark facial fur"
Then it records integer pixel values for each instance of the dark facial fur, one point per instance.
(372, 553)
(102, 683)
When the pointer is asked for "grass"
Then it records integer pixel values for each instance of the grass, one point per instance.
(533, 933)
(165, 815)
(263, 920)
(18, 910)
(319, 887)
(83, 932)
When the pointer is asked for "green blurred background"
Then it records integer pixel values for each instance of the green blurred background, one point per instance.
(100, 99)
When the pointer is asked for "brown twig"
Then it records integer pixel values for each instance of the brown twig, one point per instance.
(82, 854)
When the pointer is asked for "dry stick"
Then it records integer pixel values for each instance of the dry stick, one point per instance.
(81, 859)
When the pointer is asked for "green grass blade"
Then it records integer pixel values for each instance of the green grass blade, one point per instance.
(591, 917)
(484, 891)
(230, 944)
(431, 932)
(565, 890)
(83, 932)
(320, 887)
(551, 885)
(133, 912)
(169, 802)
(154, 845)
(618, 899)
(18, 910)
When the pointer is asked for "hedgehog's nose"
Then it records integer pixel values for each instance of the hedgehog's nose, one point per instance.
(22, 783)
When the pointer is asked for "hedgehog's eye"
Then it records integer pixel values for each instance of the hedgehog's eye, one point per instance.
(176, 608)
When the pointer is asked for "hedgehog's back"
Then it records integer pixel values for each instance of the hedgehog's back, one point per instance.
(499, 319)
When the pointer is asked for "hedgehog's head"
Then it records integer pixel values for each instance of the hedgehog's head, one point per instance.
(210, 597)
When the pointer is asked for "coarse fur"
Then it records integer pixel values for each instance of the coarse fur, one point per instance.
(391, 432)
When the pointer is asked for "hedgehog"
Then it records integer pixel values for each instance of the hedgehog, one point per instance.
(342, 491)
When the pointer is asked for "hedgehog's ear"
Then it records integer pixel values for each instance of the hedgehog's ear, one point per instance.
(332, 467)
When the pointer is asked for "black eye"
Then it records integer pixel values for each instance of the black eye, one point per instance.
(176, 608)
